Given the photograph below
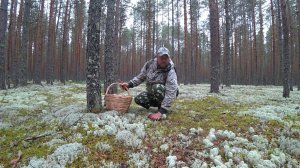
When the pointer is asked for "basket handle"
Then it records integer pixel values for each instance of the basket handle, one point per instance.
(115, 84)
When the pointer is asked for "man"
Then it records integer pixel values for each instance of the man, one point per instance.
(161, 82)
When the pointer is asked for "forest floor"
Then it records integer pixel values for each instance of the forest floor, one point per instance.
(243, 126)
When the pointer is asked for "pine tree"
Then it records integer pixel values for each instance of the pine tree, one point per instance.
(11, 50)
(286, 51)
(109, 57)
(3, 27)
(65, 44)
(227, 65)
(298, 44)
(38, 51)
(214, 45)
(51, 44)
(25, 43)
(94, 101)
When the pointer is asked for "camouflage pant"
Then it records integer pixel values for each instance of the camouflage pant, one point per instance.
(151, 98)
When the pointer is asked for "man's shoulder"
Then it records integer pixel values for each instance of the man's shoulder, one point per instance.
(172, 72)
(149, 63)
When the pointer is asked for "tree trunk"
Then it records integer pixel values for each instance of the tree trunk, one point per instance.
(291, 44)
(3, 27)
(173, 30)
(65, 46)
(24, 44)
(215, 46)
(109, 57)
(261, 71)
(286, 52)
(11, 52)
(39, 46)
(94, 101)
(186, 53)
(298, 45)
(149, 29)
(280, 43)
(179, 56)
(194, 6)
(255, 77)
(51, 45)
(17, 46)
(227, 53)
(273, 45)
(116, 50)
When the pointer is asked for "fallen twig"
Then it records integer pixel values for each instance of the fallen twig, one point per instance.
(37, 137)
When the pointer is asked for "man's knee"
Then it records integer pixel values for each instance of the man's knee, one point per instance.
(142, 100)
(158, 90)
(137, 100)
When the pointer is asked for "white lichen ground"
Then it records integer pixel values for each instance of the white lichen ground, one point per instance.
(109, 139)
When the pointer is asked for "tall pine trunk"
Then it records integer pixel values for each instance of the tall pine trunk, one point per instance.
(51, 45)
(280, 42)
(11, 52)
(3, 27)
(261, 74)
(65, 46)
(286, 51)
(273, 44)
(255, 76)
(38, 52)
(186, 53)
(149, 29)
(25, 42)
(227, 65)
(215, 46)
(109, 57)
(298, 44)
(93, 85)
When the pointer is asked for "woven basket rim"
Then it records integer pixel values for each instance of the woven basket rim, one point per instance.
(118, 102)
(116, 83)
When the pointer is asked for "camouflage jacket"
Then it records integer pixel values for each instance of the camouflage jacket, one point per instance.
(154, 75)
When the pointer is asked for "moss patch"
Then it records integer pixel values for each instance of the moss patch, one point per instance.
(12, 140)
(294, 120)
(207, 113)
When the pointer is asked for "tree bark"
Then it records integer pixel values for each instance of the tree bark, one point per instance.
(286, 51)
(255, 77)
(117, 37)
(65, 46)
(280, 43)
(261, 68)
(273, 44)
(298, 45)
(94, 101)
(3, 27)
(227, 53)
(215, 46)
(186, 53)
(24, 44)
(38, 52)
(149, 29)
(11, 42)
(51, 44)
(109, 57)
(17, 46)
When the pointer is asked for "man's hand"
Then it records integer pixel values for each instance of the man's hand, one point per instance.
(155, 117)
(124, 86)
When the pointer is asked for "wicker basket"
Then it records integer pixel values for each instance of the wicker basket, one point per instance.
(117, 102)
